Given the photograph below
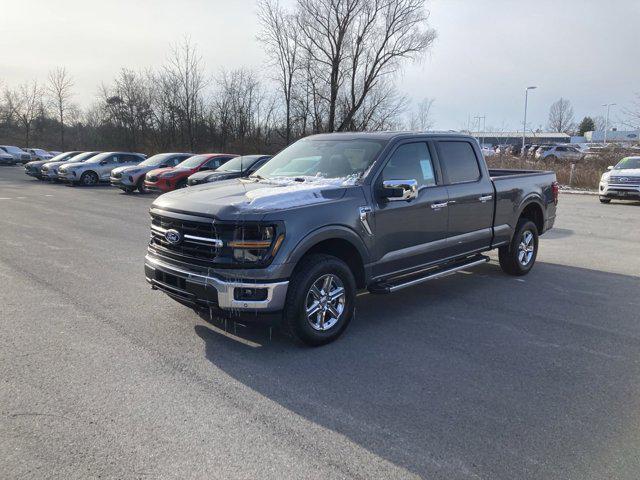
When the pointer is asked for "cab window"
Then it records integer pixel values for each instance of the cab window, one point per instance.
(411, 161)
(460, 162)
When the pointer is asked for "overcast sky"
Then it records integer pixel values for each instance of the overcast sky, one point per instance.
(486, 53)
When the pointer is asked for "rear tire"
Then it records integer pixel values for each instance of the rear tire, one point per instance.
(519, 256)
(605, 200)
(321, 300)
(89, 178)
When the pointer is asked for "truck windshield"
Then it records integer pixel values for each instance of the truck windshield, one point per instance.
(322, 158)
(629, 162)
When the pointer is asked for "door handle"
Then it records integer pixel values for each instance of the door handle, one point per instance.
(485, 198)
(436, 206)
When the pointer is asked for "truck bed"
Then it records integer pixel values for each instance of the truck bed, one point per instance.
(511, 187)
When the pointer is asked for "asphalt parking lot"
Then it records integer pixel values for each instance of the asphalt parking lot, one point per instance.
(478, 375)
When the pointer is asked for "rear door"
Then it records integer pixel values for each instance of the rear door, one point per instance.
(470, 197)
(410, 233)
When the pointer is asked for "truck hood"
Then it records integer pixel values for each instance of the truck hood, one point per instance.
(232, 199)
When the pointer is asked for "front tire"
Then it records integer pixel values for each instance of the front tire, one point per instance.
(519, 256)
(89, 178)
(320, 301)
(605, 200)
(141, 187)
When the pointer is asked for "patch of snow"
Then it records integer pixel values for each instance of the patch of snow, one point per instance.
(290, 192)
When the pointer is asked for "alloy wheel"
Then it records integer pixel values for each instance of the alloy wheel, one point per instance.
(325, 302)
(526, 248)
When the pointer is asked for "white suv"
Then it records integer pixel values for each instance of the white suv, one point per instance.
(97, 169)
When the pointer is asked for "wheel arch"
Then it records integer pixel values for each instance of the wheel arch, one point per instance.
(340, 242)
(532, 209)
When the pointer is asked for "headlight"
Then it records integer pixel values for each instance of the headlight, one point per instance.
(254, 243)
(168, 174)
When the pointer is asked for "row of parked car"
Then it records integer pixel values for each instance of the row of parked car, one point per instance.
(12, 155)
(132, 171)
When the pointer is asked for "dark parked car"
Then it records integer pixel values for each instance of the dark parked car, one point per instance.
(339, 212)
(235, 168)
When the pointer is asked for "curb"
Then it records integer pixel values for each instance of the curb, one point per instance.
(579, 192)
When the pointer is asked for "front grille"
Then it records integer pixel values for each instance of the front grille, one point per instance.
(201, 251)
(625, 180)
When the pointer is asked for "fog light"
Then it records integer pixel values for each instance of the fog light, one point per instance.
(250, 294)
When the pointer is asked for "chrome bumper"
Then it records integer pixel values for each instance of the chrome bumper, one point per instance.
(194, 285)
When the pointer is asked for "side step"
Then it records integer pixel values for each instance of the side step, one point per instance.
(393, 285)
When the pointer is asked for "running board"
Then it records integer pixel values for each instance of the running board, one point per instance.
(389, 286)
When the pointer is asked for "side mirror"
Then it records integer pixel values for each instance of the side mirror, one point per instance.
(399, 190)
(610, 167)
(103, 162)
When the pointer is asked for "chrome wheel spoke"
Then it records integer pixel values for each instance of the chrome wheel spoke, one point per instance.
(333, 311)
(336, 294)
(325, 302)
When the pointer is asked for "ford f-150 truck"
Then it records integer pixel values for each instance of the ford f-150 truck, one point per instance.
(336, 213)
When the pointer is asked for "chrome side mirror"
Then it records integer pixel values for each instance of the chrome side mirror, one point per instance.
(400, 190)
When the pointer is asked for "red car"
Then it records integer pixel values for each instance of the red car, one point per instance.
(171, 178)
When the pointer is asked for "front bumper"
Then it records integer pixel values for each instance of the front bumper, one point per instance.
(196, 289)
(67, 177)
(619, 190)
(32, 172)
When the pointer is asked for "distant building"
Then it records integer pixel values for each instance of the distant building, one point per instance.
(617, 136)
(515, 138)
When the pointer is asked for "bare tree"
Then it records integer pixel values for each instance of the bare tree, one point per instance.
(29, 107)
(280, 36)
(59, 90)
(385, 33)
(421, 116)
(185, 69)
(561, 116)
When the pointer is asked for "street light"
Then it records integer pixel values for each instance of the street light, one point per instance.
(606, 122)
(524, 124)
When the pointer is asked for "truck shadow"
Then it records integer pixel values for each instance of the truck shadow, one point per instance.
(475, 374)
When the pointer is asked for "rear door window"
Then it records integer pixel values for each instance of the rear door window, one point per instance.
(459, 160)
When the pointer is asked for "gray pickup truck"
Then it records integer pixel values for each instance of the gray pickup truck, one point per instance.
(336, 213)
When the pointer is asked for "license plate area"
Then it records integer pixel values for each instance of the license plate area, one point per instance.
(171, 280)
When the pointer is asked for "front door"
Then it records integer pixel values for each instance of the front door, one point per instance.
(410, 233)
(471, 197)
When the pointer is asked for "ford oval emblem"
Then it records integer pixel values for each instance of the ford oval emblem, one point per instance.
(173, 236)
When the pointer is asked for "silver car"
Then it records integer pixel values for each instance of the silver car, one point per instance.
(97, 169)
(38, 154)
(130, 178)
(559, 152)
(49, 170)
(17, 153)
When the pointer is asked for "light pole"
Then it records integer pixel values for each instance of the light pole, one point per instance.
(524, 123)
(606, 122)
